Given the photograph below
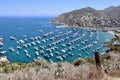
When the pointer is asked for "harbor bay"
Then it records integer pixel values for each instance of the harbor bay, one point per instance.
(27, 39)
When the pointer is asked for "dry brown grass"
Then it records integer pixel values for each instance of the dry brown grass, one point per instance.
(113, 78)
(112, 65)
(67, 71)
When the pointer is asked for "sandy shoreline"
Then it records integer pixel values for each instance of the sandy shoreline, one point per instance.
(111, 32)
(62, 26)
(89, 28)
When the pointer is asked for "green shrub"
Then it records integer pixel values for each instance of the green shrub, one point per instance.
(7, 69)
(19, 63)
(59, 73)
(105, 56)
(12, 67)
(59, 64)
(78, 62)
(3, 64)
(32, 64)
(90, 60)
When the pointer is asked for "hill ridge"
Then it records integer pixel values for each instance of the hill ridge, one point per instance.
(89, 17)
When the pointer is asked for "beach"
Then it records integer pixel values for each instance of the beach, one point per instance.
(62, 26)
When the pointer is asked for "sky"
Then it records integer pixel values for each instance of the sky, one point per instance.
(49, 7)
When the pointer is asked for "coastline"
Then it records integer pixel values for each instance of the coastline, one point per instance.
(114, 31)
(62, 26)
(111, 32)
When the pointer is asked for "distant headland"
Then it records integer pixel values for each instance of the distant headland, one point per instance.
(89, 17)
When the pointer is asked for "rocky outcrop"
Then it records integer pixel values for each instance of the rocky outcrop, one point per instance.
(1, 41)
(4, 59)
(109, 17)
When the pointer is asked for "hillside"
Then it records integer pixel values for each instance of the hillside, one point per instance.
(109, 17)
(113, 12)
(81, 69)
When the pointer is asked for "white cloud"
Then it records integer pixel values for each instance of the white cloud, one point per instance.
(46, 12)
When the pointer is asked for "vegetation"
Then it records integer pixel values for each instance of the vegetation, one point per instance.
(11, 67)
(83, 61)
(114, 45)
(81, 69)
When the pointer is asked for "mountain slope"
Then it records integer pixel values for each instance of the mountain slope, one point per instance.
(113, 12)
(90, 17)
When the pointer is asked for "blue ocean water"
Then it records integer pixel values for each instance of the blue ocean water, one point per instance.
(23, 28)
